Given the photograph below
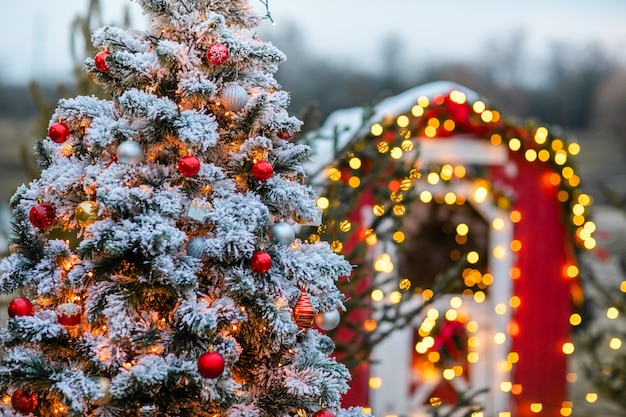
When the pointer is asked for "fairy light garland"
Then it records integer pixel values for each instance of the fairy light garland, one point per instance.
(376, 158)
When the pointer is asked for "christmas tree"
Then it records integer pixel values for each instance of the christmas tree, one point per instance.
(187, 292)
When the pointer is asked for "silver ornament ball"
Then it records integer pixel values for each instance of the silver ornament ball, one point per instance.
(129, 152)
(234, 97)
(282, 233)
(148, 410)
(328, 320)
(195, 247)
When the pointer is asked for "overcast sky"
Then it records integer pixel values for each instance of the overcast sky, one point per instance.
(34, 34)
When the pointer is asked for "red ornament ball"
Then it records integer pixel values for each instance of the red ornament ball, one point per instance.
(323, 413)
(262, 171)
(21, 306)
(59, 132)
(284, 135)
(100, 60)
(24, 401)
(189, 166)
(42, 215)
(261, 262)
(217, 54)
(210, 365)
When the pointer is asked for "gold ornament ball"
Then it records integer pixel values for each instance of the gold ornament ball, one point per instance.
(87, 213)
(105, 385)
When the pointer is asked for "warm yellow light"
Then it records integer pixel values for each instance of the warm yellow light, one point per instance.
(516, 245)
(506, 386)
(402, 121)
(430, 131)
(568, 348)
(370, 237)
(530, 155)
(573, 148)
(323, 203)
(354, 182)
(544, 155)
(575, 319)
(615, 343)
(567, 172)
(486, 116)
(449, 125)
(560, 157)
(513, 357)
(426, 197)
(473, 357)
(355, 163)
(612, 313)
(451, 315)
(456, 302)
(541, 135)
(383, 147)
(536, 407)
(407, 145)
(376, 129)
(434, 356)
(334, 174)
(449, 198)
(396, 153)
(428, 341)
(622, 286)
(458, 370)
(591, 397)
(499, 252)
(404, 284)
(487, 279)
(366, 410)
(480, 194)
(479, 297)
(458, 97)
(504, 414)
(378, 210)
(500, 308)
(432, 314)
(395, 297)
(423, 101)
(462, 229)
(566, 411)
(472, 326)
(370, 325)
(479, 106)
(590, 243)
(417, 111)
(578, 209)
(499, 338)
(473, 257)
(375, 382)
(590, 226)
(433, 178)
(383, 263)
(572, 271)
(427, 294)
(515, 144)
(448, 374)
(398, 237)
(515, 216)
(473, 342)
(434, 402)
(377, 295)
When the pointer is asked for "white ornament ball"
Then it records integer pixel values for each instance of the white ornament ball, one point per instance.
(327, 320)
(195, 247)
(234, 97)
(282, 233)
(129, 152)
(105, 385)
